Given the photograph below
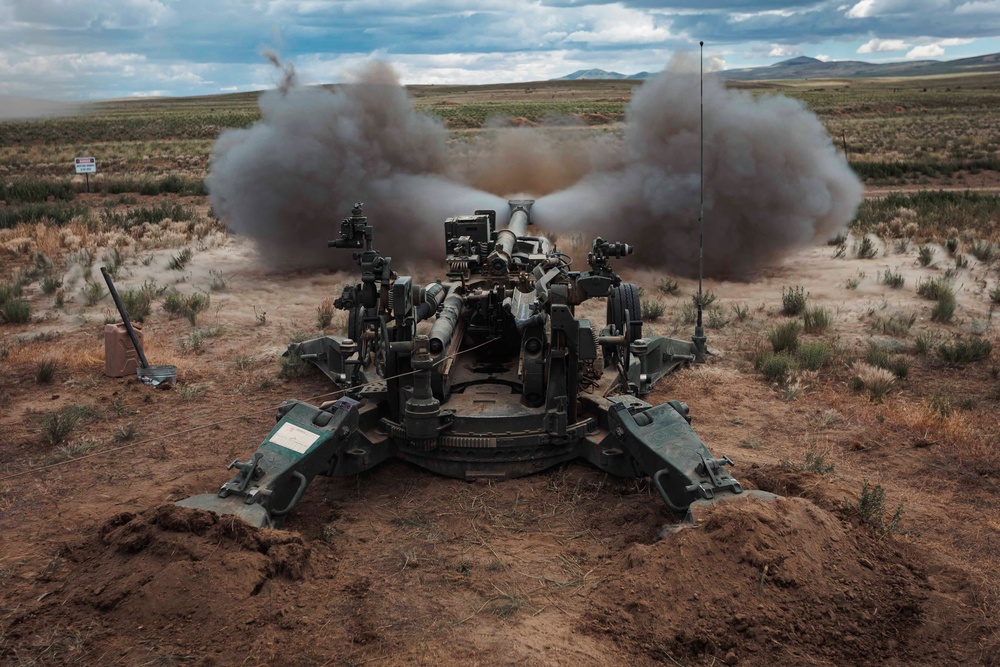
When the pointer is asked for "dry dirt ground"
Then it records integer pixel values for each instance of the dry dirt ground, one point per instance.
(400, 567)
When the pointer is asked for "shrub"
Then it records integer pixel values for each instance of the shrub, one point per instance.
(177, 305)
(742, 310)
(893, 280)
(793, 300)
(965, 350)
(324, 313)
(785, 336)
(814, 355)
(776, 367)
(137, 304)
(50, 284)
(951, 245)
(925, 255)
(815, 462)
(45, 371)
(179, 261)
(92, 293)
(57, 426)
(876, 381)
(195, 304)
(933, 288)
(871, 510)
(865, 249)
(9, 291)
(839, 239)
(897, 324)
(717, 318)
(924, 342)
(708, 298)
(879, 354)
(218, 283)
(15, 311)
(995, 294)
(944, 309)
(668, 287)
(984, 251)
(817, 319)
(292, 366)
(961, 262)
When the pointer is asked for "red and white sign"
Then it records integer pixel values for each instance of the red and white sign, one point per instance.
(85, 165)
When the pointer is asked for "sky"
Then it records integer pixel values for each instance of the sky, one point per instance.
(100, 49)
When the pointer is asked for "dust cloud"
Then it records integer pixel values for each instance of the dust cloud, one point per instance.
(508, 161)
(774, 182)
(28, 108)
(288, 180)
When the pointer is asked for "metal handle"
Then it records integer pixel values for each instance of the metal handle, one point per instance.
(303, 483)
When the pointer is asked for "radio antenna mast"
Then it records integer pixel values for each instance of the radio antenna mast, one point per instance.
(699, 338)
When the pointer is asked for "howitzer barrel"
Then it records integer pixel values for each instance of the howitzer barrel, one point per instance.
(444, 325)
(506, 238)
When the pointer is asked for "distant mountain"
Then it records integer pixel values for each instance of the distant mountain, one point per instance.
(804, 67)
(600, 74)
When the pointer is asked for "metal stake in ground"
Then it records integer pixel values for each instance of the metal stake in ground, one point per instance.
(121, 311)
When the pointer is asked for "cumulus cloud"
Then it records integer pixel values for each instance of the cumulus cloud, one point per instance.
(979, 7)
(783, 51)
(93, 14)
(925, 51)
(880, 45)
(443, 41)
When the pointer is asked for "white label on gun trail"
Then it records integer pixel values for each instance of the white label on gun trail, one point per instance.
(294, 438)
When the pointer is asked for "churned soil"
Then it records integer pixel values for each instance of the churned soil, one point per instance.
(568, 567)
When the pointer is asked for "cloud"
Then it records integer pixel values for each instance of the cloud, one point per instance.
(880, 45)
(979, 7)
(784, 51)
(822, 57)
(92, 14)
(925, 51)
(872, 8)
(187, 50)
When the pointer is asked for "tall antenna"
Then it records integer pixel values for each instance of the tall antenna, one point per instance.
(699, 339)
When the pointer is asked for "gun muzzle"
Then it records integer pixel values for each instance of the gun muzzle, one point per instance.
(499, 259)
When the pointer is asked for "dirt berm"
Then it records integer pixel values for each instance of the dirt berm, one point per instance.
(754, 583)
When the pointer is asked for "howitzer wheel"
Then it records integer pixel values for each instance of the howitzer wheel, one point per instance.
(625, 297)
(355, 326)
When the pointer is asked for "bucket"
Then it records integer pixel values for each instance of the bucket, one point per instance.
(157, 376)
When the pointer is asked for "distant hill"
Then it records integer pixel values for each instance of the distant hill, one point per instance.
(805, 67)
(600, 74)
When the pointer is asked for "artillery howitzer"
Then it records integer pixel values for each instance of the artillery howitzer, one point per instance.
(488, 373)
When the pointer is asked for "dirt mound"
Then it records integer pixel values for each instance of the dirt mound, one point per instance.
(167, 567)
(756, 582)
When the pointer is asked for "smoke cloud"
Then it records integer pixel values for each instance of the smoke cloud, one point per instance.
(773, 181)
(289, 179)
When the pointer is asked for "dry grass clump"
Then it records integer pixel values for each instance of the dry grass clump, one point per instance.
(776, 367)
(793, 300)
(785, 336)
(965, 350)
(877, 382)
(816, 319)
(896, 324)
